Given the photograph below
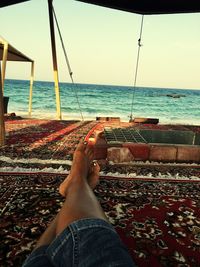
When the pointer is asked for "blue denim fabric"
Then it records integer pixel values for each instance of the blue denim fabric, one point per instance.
(87, 242)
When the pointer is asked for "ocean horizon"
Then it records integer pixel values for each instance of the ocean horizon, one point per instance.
(104, 100)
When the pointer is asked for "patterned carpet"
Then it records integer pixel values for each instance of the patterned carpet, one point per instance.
(159, 221)
(44, 139)
(155, 209)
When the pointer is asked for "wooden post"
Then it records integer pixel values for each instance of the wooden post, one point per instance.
(54, 57)
(31, 89)
(2, 123)
(4, 61)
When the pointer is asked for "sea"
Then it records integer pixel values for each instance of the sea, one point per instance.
(104, 100)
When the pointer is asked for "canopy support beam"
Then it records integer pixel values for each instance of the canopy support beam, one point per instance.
(54, 57)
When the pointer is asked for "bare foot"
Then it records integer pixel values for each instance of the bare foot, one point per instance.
(81, 169)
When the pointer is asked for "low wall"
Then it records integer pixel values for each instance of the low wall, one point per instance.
(161, 145)
(128, 152)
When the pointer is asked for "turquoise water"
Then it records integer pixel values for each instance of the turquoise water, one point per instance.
(104, 100)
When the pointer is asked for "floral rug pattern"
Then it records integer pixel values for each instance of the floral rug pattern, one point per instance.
(159, 221)
(44, 139)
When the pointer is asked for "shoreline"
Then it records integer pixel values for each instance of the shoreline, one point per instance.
(69, 117)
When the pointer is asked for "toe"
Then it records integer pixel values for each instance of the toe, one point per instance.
(90, 155)
(81, 146)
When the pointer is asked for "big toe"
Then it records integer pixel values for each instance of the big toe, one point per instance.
(81, 146)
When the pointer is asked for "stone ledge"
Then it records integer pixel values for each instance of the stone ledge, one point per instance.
(139, 151)
(119, 154)
(164, 153)
(188, 154)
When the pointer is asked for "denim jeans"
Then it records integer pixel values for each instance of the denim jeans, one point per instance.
(87, 242)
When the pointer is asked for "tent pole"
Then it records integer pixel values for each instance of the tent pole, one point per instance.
(31, 89)
(54, 57)
(2, 123)
(5, 55)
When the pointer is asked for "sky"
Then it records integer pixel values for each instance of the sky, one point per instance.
(101, 44)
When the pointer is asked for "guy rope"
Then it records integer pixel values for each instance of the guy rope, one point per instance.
(68, 65)
(136, 67)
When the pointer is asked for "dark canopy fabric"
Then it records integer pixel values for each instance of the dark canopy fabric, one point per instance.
(138, 6)
(4, 3)
(13, 53)
(150, 7)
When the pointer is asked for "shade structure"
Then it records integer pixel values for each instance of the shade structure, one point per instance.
(4, 3)
(13, 54)
(138, 6)
(10, 53)
(150, 7)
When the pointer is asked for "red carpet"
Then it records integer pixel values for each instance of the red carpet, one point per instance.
(44, 139)
(159, 221)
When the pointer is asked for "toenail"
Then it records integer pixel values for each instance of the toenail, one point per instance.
(85, 143)
(94, 163)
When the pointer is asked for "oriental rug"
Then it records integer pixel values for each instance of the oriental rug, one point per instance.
(44, 139)
(158, 220)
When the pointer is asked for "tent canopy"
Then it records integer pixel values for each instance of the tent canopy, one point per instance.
(138, 6)
(150, 7)
(4, 3)
(13, 53)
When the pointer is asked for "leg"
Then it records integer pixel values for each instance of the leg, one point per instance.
(90, 242)
(82, 151)
(80, 201)
(85, 243)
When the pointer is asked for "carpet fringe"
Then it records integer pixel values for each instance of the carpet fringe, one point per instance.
(61, 170)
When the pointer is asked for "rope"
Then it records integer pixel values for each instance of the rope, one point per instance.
(136, 68)
(68, 65)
